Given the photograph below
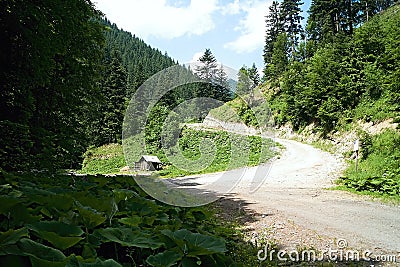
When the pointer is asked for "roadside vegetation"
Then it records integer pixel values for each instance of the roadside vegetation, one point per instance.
(379, 169)
(223, 151)
(58, 220)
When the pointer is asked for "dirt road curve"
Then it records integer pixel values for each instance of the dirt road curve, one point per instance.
(294, 199)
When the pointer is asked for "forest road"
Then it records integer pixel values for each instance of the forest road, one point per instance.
(296, 189)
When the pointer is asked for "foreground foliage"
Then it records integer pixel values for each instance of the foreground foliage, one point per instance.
(60, 220)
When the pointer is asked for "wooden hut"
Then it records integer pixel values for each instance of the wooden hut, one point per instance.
(148, 163)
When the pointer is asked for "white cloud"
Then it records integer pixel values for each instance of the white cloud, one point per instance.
(196, 57)
(251, 27)
(232, 8)
(157, 18)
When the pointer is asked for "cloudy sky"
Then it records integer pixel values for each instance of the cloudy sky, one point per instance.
(234, 30)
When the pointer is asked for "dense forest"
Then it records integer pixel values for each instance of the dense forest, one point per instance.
(343, 66)
(93, 72)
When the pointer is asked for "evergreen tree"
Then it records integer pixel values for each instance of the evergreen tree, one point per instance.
(322, 22)
(290, 13)
(207, 68)
(222, 85)
(49, 62)
(112, 110)
(253, 75)
(215, 78)
(275, 27)
(244, 85)
(279, 59)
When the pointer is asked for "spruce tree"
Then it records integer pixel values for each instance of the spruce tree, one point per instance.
(207, 68)
(253, 75)
(290, 13)
(112, 110)
(275, 27)
(244, 85)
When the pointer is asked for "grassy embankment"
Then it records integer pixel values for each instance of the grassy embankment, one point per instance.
(221, 152)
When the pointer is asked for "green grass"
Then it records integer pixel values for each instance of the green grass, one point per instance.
(223, 151)
(105, 159)
(197, 152)
(378, 173)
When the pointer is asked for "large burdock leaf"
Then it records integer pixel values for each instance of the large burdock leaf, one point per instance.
(60, 228)
(129, 238)
(164, 259)
(12, 236)
(89, 216)
(194, 244)
(59, 234)
(7, 203)
(32, 248)
(133, 220)
(79, 262)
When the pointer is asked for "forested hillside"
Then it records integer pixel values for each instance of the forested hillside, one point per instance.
(346, 68)
(338, 72)
(50, 61)
(66, 81)
(127, 62)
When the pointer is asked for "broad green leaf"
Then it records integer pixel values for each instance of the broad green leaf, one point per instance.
(123, 194)
(60, 202)
(60, 228)
(190, 262)
(60, 242)
(36, 262)
(12, 236)
(89, 252)
(80, 262)
(89, 200)
(131, 221)
(164, 259)
(32, 248)
(90, 217)
(129, 238)
(7, 204)
(163, 217)
(21, 215)
(196, 244)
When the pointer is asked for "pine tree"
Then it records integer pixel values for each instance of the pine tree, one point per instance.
(207, 68)
(222, 86)
(290, 12)
(112, 110)
(275, 27)
(253, 75)
(244, 85)
(321, 24)
(279, 60)
(213, 77)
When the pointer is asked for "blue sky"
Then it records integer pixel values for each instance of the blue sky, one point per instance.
(234, 30)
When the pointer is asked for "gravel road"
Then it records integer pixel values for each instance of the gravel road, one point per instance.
(294, 204)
